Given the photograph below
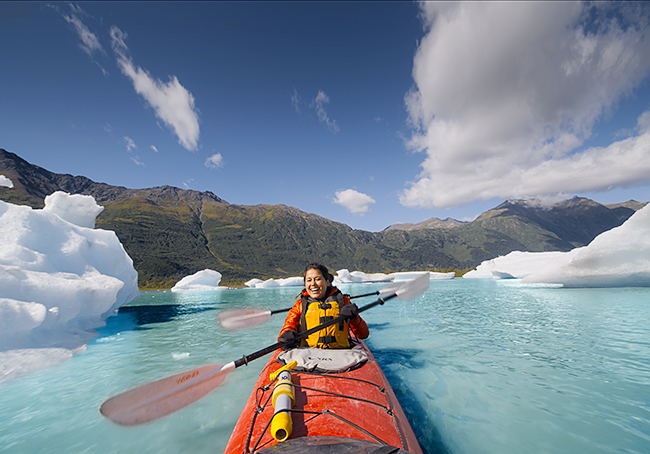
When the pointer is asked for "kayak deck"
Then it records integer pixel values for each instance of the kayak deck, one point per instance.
(357, 405)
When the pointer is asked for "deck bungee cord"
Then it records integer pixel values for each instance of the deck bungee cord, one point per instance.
(263, 397)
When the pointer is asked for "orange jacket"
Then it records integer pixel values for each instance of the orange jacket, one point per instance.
(358, 326)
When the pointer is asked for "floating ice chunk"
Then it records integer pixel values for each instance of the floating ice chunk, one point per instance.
(58, 281)
(433, 276)
(619, 257)
(6, 182)
(515, 265)
(81, 210)
(291, 282)
(199, 282)
(359, 277)
(253, 282)
(408, 275)
(269, 283)
(296, 281)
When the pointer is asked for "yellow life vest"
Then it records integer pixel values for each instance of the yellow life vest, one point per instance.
(316, 313)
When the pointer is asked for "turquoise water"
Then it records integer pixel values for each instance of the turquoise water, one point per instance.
(479, 367)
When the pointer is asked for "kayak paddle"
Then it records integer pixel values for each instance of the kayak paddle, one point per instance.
(154, 400)
(243, 318)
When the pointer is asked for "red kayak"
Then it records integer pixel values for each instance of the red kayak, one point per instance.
(332, 401)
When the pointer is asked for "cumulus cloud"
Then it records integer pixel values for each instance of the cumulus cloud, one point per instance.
(215, 161)
(506, 93)
(172, 103)
(354, 201)
(318, 104)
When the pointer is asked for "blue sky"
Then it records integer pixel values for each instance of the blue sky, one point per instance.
(367, 113)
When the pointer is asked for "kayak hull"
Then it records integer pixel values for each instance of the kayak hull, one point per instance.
(346, 412)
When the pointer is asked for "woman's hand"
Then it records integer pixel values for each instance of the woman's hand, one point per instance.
(350, 311)
(288, 339)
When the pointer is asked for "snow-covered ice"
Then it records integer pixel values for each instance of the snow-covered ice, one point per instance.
(344, 276)
(59, 279)
(199, 282)
(515, 265)
(6, 182)
(619, 257)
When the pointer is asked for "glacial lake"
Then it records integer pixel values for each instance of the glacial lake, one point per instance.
(479, 366)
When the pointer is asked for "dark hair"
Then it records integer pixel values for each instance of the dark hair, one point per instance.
(323, 270)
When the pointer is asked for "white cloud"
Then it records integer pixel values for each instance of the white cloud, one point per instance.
(353, 201)
(186, 184)
(130, 144)
(172, 103)
(319, 105)
(215, 161)
(89, 42)
(153, 147)
(506, 93)
(295, 100)
(136, 159)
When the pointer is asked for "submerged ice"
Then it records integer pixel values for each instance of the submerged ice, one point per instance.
(59, 279)
(619, 257)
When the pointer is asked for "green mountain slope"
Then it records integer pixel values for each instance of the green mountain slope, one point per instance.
(171, 233)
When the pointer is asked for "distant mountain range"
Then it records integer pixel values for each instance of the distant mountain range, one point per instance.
(170, 232)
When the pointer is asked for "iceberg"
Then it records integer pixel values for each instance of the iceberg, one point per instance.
(6, 182)
(59, 280)
(359, 277)
(199, 282)
(296, 281)
(515, 265)
(619, 257)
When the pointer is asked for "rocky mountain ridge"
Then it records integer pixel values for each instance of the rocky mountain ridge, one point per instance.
(171, 232)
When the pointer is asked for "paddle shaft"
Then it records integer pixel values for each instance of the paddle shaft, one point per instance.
(305, 334)
(287, 309)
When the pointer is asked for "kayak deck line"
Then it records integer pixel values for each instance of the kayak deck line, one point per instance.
(262, 407)
(344, 409)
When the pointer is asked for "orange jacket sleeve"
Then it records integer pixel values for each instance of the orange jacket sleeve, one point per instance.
(293, 318)
(359, 327)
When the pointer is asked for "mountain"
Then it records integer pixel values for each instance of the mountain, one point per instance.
(171, 233)
(432, 223)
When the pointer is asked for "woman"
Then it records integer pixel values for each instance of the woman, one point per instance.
(317, 303)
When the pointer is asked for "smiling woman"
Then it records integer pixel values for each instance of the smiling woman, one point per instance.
(317, 303)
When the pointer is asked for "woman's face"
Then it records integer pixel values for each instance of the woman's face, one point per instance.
(316, 284)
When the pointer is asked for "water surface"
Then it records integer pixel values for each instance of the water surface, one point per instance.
(478, 366)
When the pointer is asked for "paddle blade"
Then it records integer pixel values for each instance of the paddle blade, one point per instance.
(162, 397)
(414, 288)
(243, 318)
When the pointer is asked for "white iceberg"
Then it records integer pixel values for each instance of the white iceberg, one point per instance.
(619, 257)
(253, 282)
(58, 281)
(273, 283)
(359, 277)
(200, 281)
(6, 182)
(515, 265)
(409, 275)
(78, 209)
